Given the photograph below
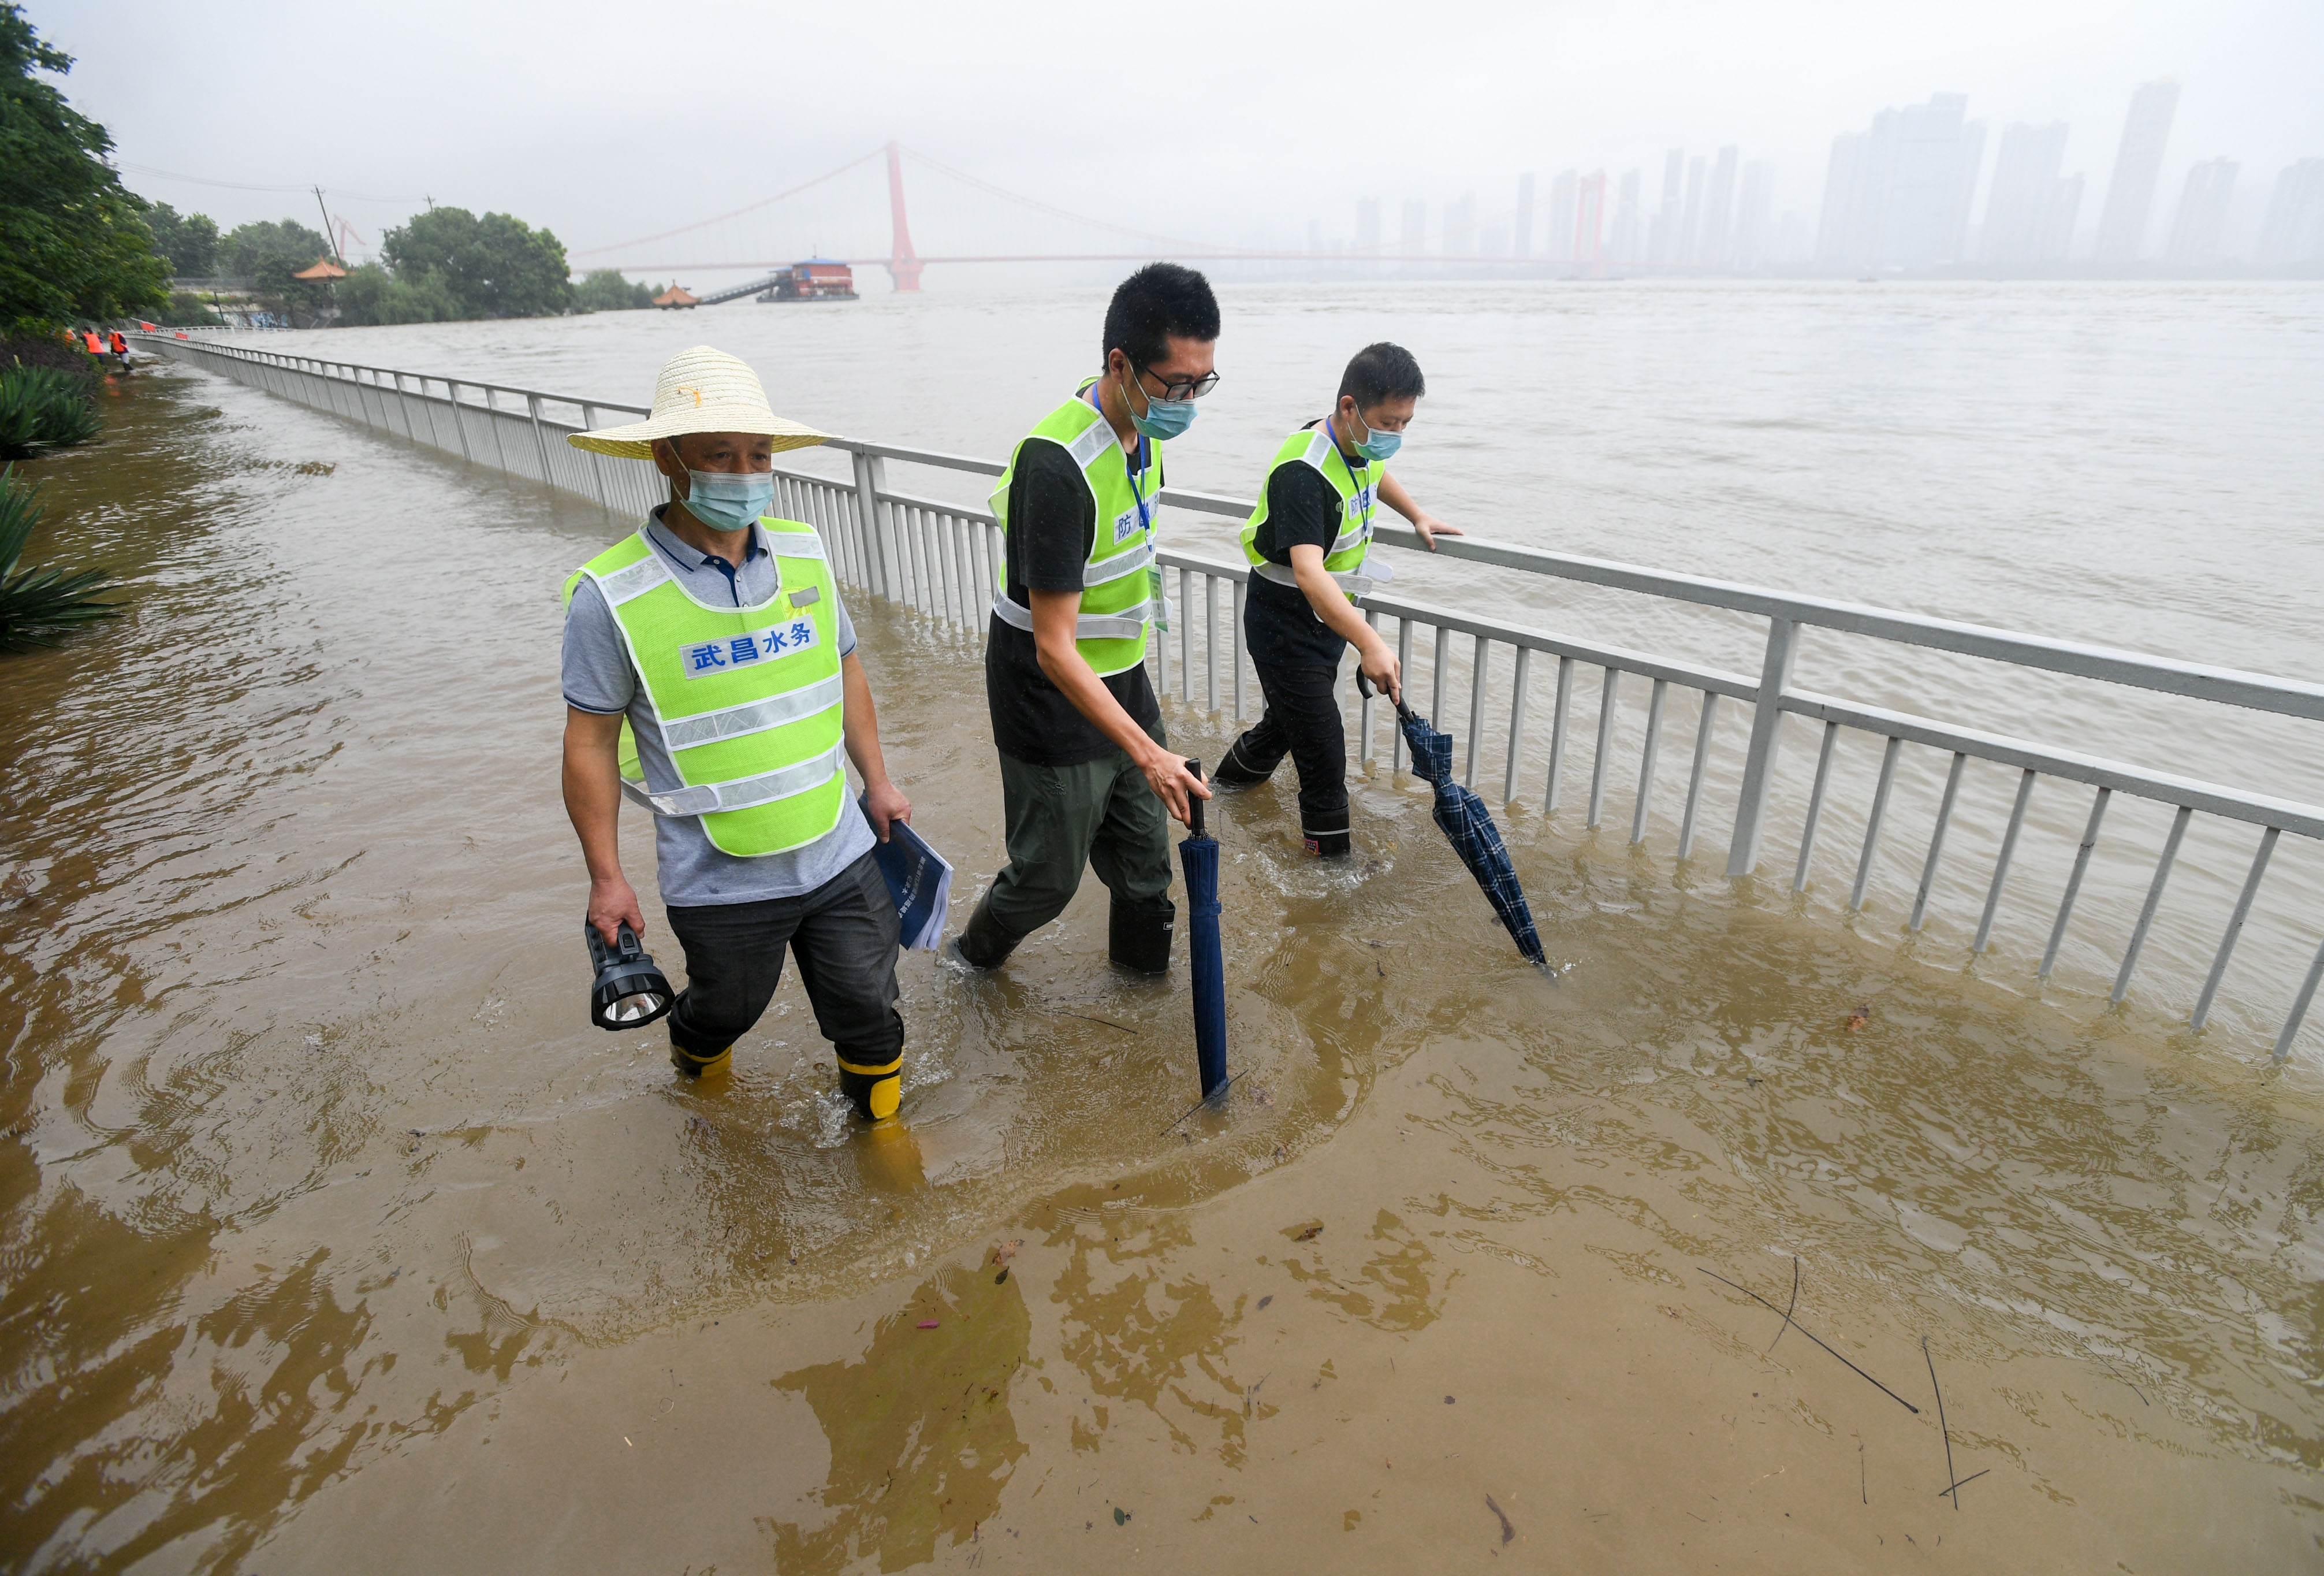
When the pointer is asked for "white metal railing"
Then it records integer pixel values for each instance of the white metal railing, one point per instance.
(944, 558)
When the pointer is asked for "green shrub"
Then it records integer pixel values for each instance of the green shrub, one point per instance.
(42, 408)
(604, 290)
(36, 604)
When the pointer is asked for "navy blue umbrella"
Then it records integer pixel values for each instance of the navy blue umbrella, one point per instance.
(1198, 853)
(1468, 827)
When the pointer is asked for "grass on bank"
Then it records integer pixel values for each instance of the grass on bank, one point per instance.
(37, 605)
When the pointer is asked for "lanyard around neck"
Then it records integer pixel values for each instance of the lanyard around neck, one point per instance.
(1362, 483)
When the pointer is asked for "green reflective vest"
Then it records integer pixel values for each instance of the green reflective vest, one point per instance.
(1121, 590)
(1359, 502)
(749, 700)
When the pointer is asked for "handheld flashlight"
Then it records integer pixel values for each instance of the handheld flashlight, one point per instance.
(629, 992)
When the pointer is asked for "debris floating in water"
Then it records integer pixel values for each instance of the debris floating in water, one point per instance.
(1309, 1235)
(929, 1323)
(1859, 1018)
(1508, 1533)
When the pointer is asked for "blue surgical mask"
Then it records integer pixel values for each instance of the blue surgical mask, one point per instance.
(1164, 419)
(1378, 447)
(727, 500)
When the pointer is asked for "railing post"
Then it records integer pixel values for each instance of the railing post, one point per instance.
(1766, 735)
(539, 442)
(870, 479)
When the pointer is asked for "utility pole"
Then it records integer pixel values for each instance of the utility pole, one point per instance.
(328, 239)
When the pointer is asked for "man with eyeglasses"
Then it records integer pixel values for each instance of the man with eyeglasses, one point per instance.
(1086, 774)
(1309, 544)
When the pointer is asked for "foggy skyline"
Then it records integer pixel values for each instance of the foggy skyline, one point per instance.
(1246, 130)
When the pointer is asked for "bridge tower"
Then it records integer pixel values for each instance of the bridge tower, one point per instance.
(903, 262)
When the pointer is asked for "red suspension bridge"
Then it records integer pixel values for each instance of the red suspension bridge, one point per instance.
(905, 264)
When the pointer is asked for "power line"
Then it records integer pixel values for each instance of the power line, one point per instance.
(252, 186)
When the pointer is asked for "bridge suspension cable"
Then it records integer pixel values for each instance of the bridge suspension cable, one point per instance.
(737, 213)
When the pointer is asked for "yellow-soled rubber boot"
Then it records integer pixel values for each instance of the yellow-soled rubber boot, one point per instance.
(875, 1091)
(693, 1066)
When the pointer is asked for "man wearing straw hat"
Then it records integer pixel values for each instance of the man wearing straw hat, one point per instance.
(710, 675)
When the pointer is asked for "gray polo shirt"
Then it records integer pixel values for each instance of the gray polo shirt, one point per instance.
(599, 677)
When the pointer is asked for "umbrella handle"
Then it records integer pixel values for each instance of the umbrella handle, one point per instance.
(1194, 805)
(1364, 688)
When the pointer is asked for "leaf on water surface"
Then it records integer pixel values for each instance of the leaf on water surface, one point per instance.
(1120, 1516)
(1003, 1276)
(1305, 1233)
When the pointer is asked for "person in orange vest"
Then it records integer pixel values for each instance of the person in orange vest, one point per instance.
(120, 349)
(96, 346)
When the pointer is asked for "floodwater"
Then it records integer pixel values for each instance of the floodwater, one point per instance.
(335, 1238)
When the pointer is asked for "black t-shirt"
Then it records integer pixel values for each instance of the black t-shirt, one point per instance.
(1302, 506)
(1052, 526)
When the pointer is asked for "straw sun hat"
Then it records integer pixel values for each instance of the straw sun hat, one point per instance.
(700, 390)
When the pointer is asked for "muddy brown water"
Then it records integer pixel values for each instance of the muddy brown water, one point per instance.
(333, 1238)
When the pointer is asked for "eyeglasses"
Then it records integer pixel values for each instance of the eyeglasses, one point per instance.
(1182, 388)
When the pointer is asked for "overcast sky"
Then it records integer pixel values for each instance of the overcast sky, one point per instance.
(1229, 122)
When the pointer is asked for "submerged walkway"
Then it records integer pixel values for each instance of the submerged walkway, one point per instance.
(326, 1202)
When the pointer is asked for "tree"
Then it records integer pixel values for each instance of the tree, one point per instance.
(269, 253)
(370, 294)
(604, 290)
(498, 267)
(189, 241)
(72, 241)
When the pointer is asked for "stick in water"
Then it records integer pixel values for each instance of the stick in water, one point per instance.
(1955, 1490)
(1787, 1312)
(1804, 1329)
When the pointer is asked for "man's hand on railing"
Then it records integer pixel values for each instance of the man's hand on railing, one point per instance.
(1430, 526)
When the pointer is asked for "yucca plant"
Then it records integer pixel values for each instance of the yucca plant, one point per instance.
(43, 408)
(37, 604)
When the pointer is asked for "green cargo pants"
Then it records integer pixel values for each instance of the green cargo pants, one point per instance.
(1059, 819)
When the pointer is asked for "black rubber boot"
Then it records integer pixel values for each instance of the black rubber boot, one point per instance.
(1232, 773)
(1326, 831)
(1138, 934)
(986, 942)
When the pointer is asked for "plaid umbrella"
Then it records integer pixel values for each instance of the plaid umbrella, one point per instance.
(1468, 827)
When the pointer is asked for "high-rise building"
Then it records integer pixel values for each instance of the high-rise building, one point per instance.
(1719, 217)
(2202, 222)
(1413, 238)
(1625, 246)
(1926, 206)
(1690, 224)
(1753, 214)
(2293, 230)
(2025, 190)
(1843, 181)
(1559, 225)
(1589, 223)
(1461, 226)
(2137, 168)
(1368, 224)
(1524, 216)
(2057, 243)
(1663, 243)
(1898, 195)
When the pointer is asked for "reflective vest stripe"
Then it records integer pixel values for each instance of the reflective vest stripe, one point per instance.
(755, 718)
(1131, 626)
(743, 792)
